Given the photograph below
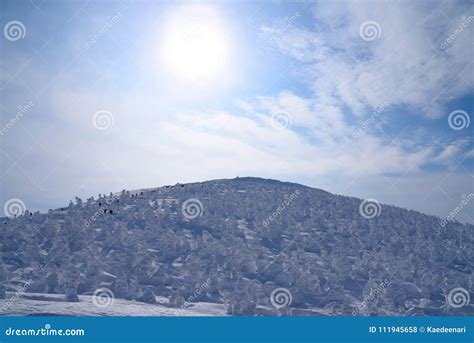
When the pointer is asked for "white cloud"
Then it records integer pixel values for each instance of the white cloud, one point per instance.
(450, 152)
(406, 66)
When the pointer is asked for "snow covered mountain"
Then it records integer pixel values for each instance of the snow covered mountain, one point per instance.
(250, 246)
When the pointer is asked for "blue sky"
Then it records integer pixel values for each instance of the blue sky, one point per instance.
(351, 97)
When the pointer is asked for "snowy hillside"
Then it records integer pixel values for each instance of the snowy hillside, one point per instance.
(34, 304)
(245, 246)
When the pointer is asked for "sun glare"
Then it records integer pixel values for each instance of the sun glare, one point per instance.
(195, 46)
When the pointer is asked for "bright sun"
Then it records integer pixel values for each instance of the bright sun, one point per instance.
(195, 46)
